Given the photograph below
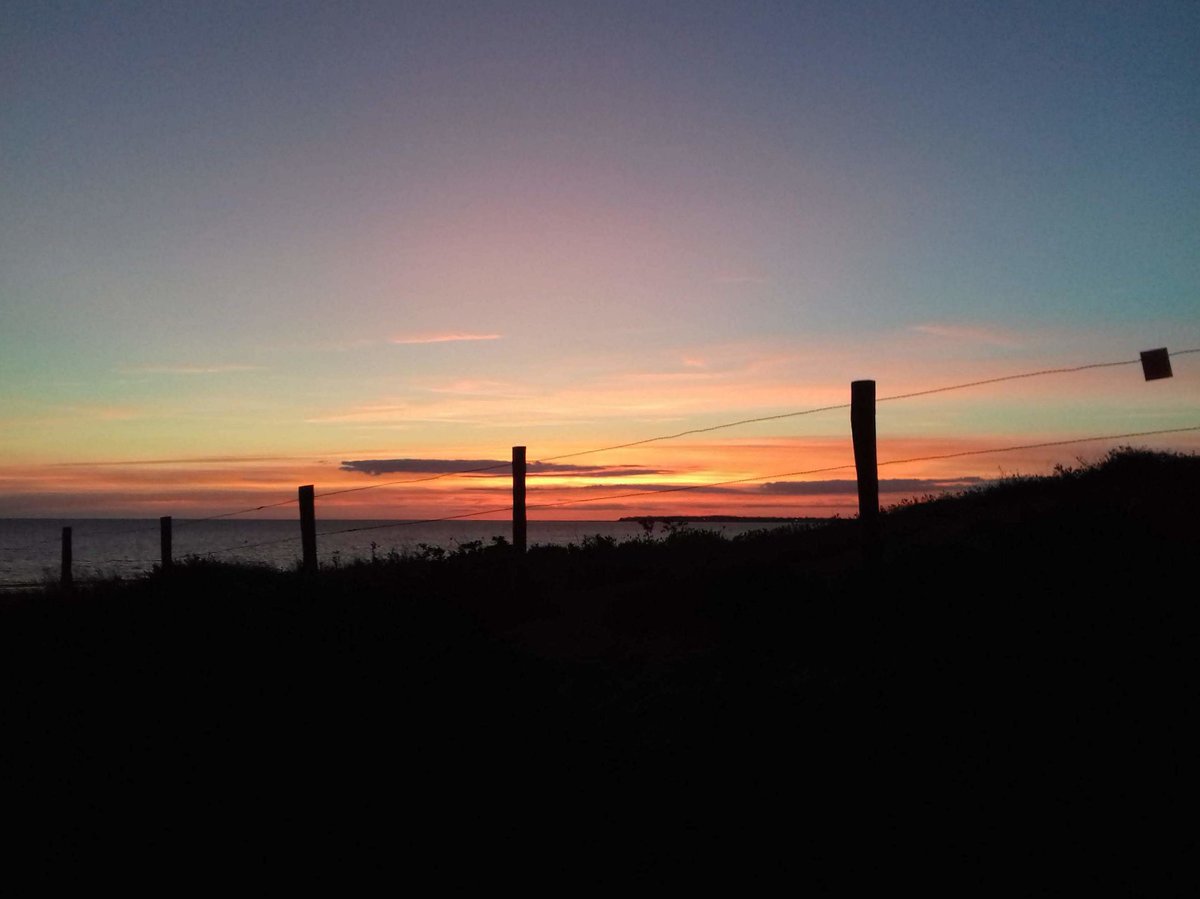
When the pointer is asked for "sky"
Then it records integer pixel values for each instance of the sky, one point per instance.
(250, 246)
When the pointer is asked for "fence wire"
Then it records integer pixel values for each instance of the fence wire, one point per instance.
(708, 485)
(183, 523)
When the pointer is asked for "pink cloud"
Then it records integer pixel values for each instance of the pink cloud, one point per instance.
(188, 369)
(741, 279)
(478, 387)
(970, 334)
(447, 337)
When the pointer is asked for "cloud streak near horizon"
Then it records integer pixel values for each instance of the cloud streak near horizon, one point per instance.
(841, 486)
(376, 467)
(832, 487)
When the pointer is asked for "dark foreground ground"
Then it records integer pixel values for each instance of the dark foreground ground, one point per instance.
(1012, 683)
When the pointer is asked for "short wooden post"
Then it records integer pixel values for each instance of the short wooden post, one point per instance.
(520, 524)
(866, 459)
(164, 542)
(66, 578)
(308, 527)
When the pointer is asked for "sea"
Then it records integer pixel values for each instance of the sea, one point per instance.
(31, 548)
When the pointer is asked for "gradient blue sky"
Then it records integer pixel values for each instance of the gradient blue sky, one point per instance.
(270, 237)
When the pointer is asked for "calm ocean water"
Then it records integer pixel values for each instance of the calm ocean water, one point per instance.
(30, 547)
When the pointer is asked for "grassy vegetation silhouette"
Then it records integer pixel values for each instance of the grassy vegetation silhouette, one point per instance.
(1025, 643)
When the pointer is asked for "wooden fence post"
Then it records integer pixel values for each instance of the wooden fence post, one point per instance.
(866, 460)
(66, 578)
(164, 542)
(520, 524)
(308, 527)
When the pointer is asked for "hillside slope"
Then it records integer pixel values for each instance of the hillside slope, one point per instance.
(1031, 645)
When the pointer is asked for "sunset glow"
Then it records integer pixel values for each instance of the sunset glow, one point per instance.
(242, 249)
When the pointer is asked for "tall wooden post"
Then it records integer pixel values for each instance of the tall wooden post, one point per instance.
(866, 460)
(520, 525)
(308, 527)
(66, 578)
(164, 542)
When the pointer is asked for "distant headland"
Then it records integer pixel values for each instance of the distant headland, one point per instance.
(711, 519)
